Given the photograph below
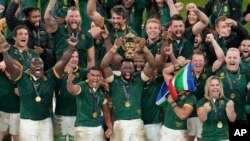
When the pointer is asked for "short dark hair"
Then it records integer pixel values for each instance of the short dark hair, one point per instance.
(127, 60)
(28, 10)
(120, 10)
(140, 52)
(219, 19)
(74, 50)
(73, 8)
(176, 17)
(35, 58)
(95, 68)
(199, 53)
(19, 27)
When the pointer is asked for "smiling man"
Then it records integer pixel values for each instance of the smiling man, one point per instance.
(126, 92)
(10, 108)
(39, 38)
(65, 115)
(245, 53)
(153, 30)
(36, 89)
(234, 85)
(20, 50)
(116, 26)
(201, 74)
(184, 38)
(91, 97)
(72, 29)
(231, 31)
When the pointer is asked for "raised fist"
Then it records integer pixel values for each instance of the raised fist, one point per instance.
(207, 107)
(191, 7)
(119, 42)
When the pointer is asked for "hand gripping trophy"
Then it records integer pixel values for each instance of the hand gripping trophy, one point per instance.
(131, 42)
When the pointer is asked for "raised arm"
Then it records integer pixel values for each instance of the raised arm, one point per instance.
(203, 111)
(105, 36)
(107, 59)
(60, 65)
(230, 111)
(218, 51)
(107, 119)
(93, 14)
(149, 59)
(203, 19)
(171, 7)
(238, 28)
(11, 19)
(14, 71)
(165, 52)
(49, 20)
(72, 89)
(182, 112)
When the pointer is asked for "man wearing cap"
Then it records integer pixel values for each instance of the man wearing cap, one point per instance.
(39, 38)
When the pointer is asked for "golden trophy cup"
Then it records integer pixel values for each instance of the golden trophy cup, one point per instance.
(131, 41)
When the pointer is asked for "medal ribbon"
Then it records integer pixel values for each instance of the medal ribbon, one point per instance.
(179, 47)
(25, 56)
(126, 89)
(232, 84)
(36, 87)
(217, 108)
(73, 35)
(95, 100)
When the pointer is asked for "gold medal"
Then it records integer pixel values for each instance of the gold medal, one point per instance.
(38, 98)
(232, 95)
(127, 103)
(219, 124)
(94, 114)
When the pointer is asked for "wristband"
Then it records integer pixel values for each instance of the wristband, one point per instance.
(145, 49)
(114, 49)
(197, 11)
(173, 104)
(176, 66)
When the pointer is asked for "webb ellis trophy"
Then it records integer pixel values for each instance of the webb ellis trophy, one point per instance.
(130, 43)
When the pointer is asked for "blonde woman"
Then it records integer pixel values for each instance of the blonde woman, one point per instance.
(214, 110)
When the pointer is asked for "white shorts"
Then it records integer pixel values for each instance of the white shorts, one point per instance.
(153, 131)
(10, 122)
(167, 134)
(128, 130)
(194, 127)
(64, 125)
(40, 130)
(89, 134)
